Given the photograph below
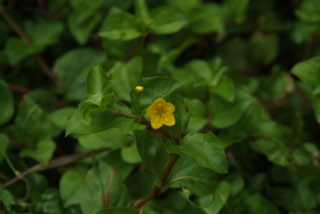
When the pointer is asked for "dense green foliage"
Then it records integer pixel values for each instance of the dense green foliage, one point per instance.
(243, 75)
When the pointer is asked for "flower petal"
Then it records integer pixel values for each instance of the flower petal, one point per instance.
(156, 124)
(151, 111)
(169, 108)
(168, 119)
(158, 101)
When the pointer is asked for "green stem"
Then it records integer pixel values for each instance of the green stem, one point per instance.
(12, 167)
(126, 114)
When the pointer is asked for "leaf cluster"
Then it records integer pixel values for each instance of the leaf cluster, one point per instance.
(243, 75)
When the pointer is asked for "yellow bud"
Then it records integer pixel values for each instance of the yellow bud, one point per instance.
(139, 88)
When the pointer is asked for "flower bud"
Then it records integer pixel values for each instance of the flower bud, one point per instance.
(139, 88)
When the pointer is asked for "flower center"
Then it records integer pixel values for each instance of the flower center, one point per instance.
(159, 109)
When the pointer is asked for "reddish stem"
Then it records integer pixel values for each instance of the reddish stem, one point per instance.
(134, 48)
(113, 172)
(156, 190)
(18, 88)
(44, 66)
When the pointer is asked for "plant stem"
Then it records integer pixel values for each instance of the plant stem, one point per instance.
(18, 88)
(113, 172)
(235, 163)
(126, 114)
(139, 204)
(61, 161)
(44, 66)
(15, 26)
(156, 190)
(134, 49)
(12, 167)
(163, 134)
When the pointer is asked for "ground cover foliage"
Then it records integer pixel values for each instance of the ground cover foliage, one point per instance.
(239, 82)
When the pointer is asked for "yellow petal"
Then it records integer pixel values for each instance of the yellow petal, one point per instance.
(168, 119)
(156, 124)
(156, 117)
(169, 108)
(159, 100)
(158, 103)
(151, 111)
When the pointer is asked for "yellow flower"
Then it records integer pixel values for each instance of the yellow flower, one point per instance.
(161, 113)
(139, 88)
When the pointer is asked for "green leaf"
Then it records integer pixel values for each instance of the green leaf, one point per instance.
(316, 102)
(93, 114)
(7, 199)
(72, 69)
(117, 48)
(224, 114)
(120, 4)
(202, 77)
(187, 174)
(308, 71)
(258, 204)
(50, 202)
(120, 25)
(154, 88)
(198, 117)
(70, 186)
(308, 11)
(44, 32)
(187, 6)
(120, 166)
(6, 103)
(100, 180)
(17, 50)
(236, 185)
(99, 95)
(4, 143)
(112, 138)
(303, 31)
(142, 11)
(236, 9)
(126, 76)
(31, 124)
(86, 7)
(152, 152)
(275, 151)
(101, 121)
(81, 29)
(299, 198)
(166, 20)
(181, 114)
(212, 204)
(43, 151)
(130, 154)
(168, 57)
(263, 49)
(45, 98)
(225, 89)
(307, 196)
(204, 149)
(196, 108)
(118, 210)
(207, 19)
(61, 117)
(85, 18)
(36, 184)
(211, 76)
